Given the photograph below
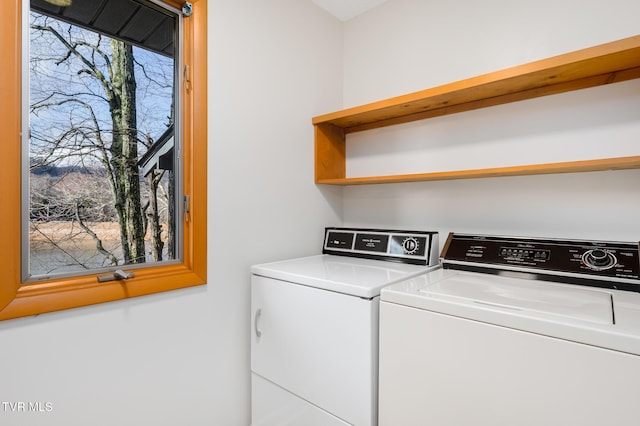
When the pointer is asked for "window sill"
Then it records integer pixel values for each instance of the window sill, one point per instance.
(32, 299)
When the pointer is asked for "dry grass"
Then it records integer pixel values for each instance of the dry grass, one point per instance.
(60, 231)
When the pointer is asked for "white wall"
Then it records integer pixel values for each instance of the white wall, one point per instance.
(410, 45)
(182, 358)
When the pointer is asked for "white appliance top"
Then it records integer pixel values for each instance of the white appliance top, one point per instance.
(600, 317)
(582, 291)
(349, 275)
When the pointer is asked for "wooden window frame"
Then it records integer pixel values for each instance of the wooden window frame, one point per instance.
(18, 299)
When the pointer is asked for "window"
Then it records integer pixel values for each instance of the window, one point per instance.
(99, 139)
(74, 233)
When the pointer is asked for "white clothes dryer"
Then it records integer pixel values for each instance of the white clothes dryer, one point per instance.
(314, 344)
(514, 331)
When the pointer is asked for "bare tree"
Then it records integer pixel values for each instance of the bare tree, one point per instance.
(120, 90)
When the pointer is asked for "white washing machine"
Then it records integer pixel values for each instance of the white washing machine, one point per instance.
(514, 331)
(314, 343)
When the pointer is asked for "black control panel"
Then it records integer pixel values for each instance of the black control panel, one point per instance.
(608, 264)
(417, 247)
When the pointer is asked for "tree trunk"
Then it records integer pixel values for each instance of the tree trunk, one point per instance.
(155, 228)
(171, 232)
(124, 153)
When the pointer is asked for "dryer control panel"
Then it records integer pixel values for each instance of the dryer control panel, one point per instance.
(417, 247)
(607, 264)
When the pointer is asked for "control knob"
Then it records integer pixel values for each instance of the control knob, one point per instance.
(410, 245)
(599, 260)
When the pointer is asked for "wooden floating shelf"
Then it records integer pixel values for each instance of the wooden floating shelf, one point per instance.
(595, 66)
(620, 163)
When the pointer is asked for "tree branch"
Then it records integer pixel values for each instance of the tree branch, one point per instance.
(95, 237)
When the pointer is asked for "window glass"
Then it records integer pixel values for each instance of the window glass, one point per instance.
(100, 167)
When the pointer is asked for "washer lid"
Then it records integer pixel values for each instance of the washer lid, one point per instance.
(348, 275)
(523, 295)
(565, 311)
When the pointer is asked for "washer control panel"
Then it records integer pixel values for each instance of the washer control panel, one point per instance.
(418, 247)
(602, 260)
